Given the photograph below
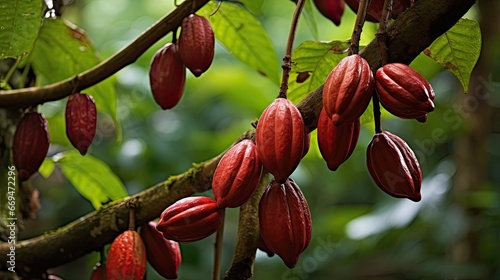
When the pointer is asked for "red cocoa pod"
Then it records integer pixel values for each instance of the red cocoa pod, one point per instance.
(237, 175)
(285, 220)
(336, 143)
(261, 245)
(167, 76)
(126, 257)
(30, 144)
(403, 91)
(98, 272)
(196, 44)
(331, 9)
(374, 12)
(190, 219)
(280, 137)
(348, 89)
(81, 121)
(393, 166)
(164, 255)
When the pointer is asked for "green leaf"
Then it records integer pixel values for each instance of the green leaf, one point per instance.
(312, 61)
(255, 6)
(47, 167)
(91, 177)
(243, 35)
(63, 50)
(308, 14)
(458, 49)
(19, 24)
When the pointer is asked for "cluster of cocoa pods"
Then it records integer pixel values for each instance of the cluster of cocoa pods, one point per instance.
(281, 141)
(334, 9)
(403, 92)
(194, 50)
(31, 138)
(129, 251)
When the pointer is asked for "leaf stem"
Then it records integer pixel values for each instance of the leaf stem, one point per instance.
(219, 236)
(9, 74)
(358, 26)
(287, 59)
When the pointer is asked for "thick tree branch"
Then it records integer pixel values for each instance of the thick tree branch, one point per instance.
(411, 33)
(36, 95)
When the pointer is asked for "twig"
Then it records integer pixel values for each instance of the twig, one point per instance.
(287, 59)
(358, 26)
(382, 39)
(36, 95)
(219, 238)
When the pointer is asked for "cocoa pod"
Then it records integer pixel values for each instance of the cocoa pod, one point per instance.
(190, 219)
(393, 166)
(81, 121)
(375, 8)
(404, 92)
(126, 257)
(30, 144)
(348, 90)
(237, 175)
(336, 143)
(164, 255)
(167, 76)
(261, 245)
(285, 221)
(196, 44)
(280, 137)
(331, 9)
(98, 272)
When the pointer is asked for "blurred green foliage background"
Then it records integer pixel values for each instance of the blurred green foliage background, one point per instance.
(358, 231)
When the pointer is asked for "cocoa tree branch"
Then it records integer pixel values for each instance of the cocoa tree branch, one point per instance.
(410, 34)
(248, 235)
(36, 95)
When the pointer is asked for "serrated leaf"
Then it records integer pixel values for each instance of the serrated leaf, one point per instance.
(19, 25)
(255, 6)
(308, 14)
(458, 49)
(63, 50)
(312, 61)
(243, 35)
(91, 177)
(46, 168)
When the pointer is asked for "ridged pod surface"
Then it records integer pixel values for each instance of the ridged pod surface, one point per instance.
(167, 76)
(81, 121)
(404, 92)
(348, 89)
(285, 221)
(164, 255)
(196, 44)
(331, 9)
(375, 8)
(126, 257)
(280, 137)
(237, 175)
(30, 144)
(190, 219)
(336, 143)
(393, 166)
